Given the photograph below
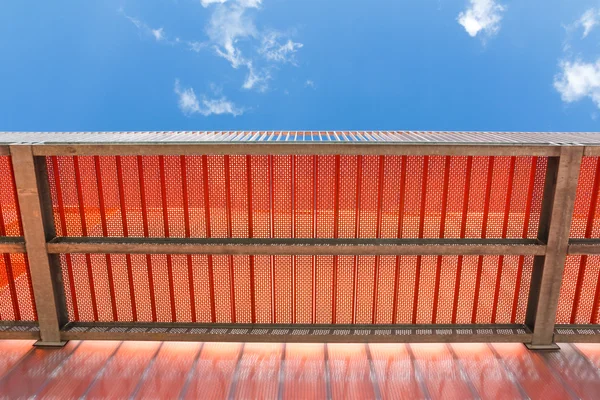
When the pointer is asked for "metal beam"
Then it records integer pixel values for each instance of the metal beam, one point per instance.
(296, 246)
(577, 333)
(10, 244)
(584, 246)
(268, 148)
(555, 223)
(37, 227)
(591, 151)
(299, 333)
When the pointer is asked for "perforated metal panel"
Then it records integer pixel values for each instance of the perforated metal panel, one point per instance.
(586, 219)
(10, 218)
(580, 292)
(287, 196)
(301, 289)
(16, 295)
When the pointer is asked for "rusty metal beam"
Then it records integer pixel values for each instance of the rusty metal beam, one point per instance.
(299, 333)
(297, 148)
(32, 191)
(555, 223)
(12, 244)
(584, 246)
(297, 246)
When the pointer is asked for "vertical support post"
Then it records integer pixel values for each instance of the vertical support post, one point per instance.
(555, 224)
(38, 227)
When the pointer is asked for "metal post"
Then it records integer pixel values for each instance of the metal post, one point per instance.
(555, 224)
(38, 227)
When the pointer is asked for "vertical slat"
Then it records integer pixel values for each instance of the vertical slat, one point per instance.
(125, 234)
(525, 231)
(250, 235)
(588, 234)
(146, 234)
(36, 214)
(438, 269)
(163, 189)
(186, 219)
(555, 221)
(463, 230)
(211, 282)
(486, 210)
(421, 231)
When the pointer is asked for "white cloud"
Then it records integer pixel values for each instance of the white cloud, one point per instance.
(189, 103)
(196, 46)
(250, 3)
(588, 21)
(256, 80)
(309, 83)
(272, 50)
(206, 3)
(158, 34)
(578, 80)
(481, 16)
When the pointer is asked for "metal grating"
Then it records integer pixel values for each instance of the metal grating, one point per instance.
(10, 217)
(579, 301)
(407, 137)
(16, 294)
(286, 196)
(586, 218)
(234, 332)
(296, 290)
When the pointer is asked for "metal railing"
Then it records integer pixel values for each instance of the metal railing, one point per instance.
(378, 236)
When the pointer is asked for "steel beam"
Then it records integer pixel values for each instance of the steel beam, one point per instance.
(10, 244)
(33, 195)
(297, 246)
(555, 224)
(297, 148)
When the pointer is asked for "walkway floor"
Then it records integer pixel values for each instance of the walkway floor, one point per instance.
(167, 370)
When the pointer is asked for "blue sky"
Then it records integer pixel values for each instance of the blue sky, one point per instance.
(527, 65)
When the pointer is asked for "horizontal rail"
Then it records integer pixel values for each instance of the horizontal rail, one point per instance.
(19, 330)
(577, 333)
(323, 148)
(298, 333)
(584, 246)
(297, 246)
(591, 151)
(10, 244)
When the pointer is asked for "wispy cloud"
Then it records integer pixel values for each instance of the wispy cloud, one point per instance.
(231, 24)
(158, 34)
(189, 103)
(588, 21)
(482, 16)
(310, 84)
(578, 80)
(206, 3)
(273, 50)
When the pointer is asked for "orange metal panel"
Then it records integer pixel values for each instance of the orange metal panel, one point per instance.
(530, 372)
(214, 371)
(304, 372)
(349, 372)
(16, 295)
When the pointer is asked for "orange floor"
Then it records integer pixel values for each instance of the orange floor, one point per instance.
(89, 369)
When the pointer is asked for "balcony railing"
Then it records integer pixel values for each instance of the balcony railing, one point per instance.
(300, 236)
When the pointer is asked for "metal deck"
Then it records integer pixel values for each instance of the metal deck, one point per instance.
(113, 369)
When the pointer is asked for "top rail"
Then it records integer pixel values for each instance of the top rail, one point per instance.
(305, 142)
